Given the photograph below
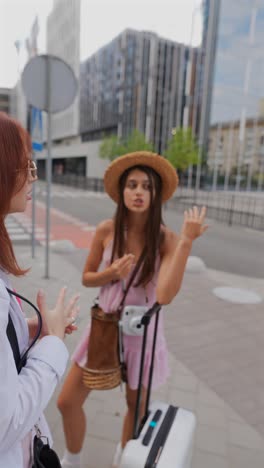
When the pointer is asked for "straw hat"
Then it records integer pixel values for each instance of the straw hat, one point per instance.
(160, 165)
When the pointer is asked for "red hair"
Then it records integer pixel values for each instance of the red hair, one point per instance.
(15, 149)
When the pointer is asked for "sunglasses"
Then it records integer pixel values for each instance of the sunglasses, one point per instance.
(32, 169)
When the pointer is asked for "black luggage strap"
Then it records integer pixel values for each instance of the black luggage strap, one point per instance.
(161, 437)
(155, 309)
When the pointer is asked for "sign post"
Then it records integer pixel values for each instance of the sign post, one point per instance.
(50, 85)
(36, 130)
(48, 165)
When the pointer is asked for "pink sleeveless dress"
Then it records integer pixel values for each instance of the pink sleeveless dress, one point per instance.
(109, 299)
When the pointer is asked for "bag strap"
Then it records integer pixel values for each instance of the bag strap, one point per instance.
(125, 292)
(12, 336)
(119, 310)
(136, 269)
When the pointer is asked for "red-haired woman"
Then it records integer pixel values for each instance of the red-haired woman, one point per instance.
(25, 394)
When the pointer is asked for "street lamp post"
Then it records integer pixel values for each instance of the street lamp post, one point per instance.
(251, 39)
(194, 101)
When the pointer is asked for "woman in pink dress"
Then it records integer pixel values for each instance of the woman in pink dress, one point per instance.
(139, 183)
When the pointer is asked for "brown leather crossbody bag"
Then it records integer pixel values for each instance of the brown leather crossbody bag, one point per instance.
(103, 369)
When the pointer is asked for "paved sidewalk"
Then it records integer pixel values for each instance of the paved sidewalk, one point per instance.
(214, 347)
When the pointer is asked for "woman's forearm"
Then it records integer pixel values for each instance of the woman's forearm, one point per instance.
(98, 278)
(170, 282)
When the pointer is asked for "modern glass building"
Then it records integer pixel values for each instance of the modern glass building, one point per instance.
(233, 120)
(141, 81)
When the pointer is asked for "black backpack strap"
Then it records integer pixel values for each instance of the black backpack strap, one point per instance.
(12, 336)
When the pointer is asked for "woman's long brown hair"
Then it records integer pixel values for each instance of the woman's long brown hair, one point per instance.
(15, 148)
(153, 232)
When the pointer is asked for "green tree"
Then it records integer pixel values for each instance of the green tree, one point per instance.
(182, 149)
(112, 147)
(136, 141)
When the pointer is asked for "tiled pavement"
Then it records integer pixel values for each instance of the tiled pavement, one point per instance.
(222, 342)
(216, 357)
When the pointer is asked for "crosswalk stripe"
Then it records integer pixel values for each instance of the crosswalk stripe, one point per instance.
(68, 194)
(16, 229)
(19, 227)
(16, 237)
(10, 225)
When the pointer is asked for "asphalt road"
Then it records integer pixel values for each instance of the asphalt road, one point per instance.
(233, 249)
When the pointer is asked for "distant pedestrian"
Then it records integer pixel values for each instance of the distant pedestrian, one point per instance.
(24, 394)
(136, 239)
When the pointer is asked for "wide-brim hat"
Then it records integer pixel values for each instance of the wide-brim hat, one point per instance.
(157, 162)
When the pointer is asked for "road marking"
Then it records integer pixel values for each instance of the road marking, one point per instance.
(63, 227)
(19, 237)
(16, 231)
(72, 194)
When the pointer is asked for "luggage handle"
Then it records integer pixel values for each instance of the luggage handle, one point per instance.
(155, 309)
(148, 315)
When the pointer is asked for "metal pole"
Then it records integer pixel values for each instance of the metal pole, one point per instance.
(229, 155)
(261, 177)
(48, 168)
(33, 215)
(251, 40)
(252, 154)
(33, 209)
(189, 91)
(241, 140)
(209, 51)
(231, 211)
(218, 151)
(196, 103)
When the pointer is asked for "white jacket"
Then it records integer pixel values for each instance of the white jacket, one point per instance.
(23, 397)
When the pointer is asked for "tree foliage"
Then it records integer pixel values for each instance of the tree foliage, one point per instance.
(182, 149)
(136, 141)
(112, 147)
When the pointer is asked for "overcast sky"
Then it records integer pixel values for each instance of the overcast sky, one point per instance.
(101, 21)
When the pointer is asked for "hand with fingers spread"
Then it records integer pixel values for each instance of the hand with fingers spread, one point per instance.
(61, 318)
(122, 266)
(193, 225)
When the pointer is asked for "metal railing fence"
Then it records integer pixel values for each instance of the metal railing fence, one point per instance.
(245, 209)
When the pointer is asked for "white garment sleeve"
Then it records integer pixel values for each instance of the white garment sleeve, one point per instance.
(23, 397)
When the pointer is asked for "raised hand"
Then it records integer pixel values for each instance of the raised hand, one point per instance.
(193, 225)
(60, 319)
(122, 266)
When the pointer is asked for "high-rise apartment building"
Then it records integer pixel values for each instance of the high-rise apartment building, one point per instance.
(141, 81)
(63, 40)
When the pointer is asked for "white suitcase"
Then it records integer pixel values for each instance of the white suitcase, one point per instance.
(165, 436)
